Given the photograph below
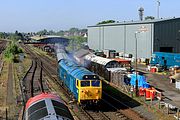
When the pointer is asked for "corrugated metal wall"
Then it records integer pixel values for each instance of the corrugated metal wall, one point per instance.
(122, 38)
(144, 40)
(94, 38)
(114, 38)
(167, 34)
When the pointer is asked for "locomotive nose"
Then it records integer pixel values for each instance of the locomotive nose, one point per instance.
(86, 91)
(97, 91)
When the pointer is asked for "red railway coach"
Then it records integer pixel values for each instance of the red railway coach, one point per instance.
(46, 106)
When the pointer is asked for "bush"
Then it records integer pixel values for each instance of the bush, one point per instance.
(11, 51)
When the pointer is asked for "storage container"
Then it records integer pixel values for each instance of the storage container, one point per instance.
(150, 94)
(153, 69)
(142, 91)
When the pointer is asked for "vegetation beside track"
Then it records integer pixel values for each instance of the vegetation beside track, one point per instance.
(14, 108)
(3, 83)
(10, 107)
(11, 51)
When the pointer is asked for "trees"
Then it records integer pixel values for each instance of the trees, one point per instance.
(2, 35)
(42, 32)
(149, 18)
(12, 50)
(106, 22)
(12, 36)
(71, 32)
(76, 42)
(60, 33)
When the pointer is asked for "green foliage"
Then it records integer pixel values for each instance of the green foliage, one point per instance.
(76, 42)
(3, 35)
(73, 30)
(12, 36)
(70, 32)
(42, 32)
(60, 33)
(12, 50)
(79, 39)
(149, 18)
(8, 53)
(106, 22)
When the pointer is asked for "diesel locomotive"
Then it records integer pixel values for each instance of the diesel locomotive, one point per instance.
(85, 86)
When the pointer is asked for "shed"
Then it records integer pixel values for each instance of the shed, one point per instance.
(159, 35)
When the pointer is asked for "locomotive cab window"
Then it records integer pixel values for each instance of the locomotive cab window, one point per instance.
(95, 83)
(85, 83)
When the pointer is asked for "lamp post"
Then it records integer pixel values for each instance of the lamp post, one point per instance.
(136, 88)
(141, 30)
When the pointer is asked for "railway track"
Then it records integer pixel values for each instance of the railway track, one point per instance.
(31, 84)
(121, 110)
(109, 111)
(51, 72)
(96, 115)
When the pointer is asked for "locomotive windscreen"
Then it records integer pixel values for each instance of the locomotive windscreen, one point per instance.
(96, 83)
(85, 83)
(90, 77)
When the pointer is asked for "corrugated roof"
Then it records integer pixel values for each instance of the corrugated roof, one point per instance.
(100, 60)
(135, 22)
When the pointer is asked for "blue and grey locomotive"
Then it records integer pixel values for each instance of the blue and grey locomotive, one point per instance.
(83, 84)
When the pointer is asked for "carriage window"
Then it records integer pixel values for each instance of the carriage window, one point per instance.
(85, 83)
(96, 83)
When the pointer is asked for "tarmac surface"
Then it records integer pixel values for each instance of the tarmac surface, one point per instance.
(162, 84)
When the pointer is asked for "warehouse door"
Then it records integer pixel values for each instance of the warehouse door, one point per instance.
(166, 49)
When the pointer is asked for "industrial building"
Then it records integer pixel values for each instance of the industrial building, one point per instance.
(148, 36)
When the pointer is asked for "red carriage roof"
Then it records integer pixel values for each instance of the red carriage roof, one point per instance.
(42, 96)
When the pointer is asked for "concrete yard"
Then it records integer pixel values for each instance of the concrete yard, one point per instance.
(162, 83)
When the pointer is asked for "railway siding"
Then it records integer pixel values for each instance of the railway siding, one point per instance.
(50, 69)
(47, 68)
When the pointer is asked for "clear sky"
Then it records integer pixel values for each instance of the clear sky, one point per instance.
(35, 15)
